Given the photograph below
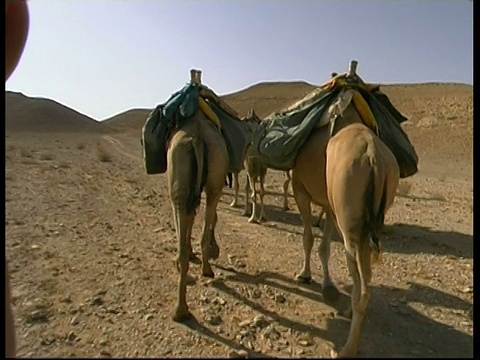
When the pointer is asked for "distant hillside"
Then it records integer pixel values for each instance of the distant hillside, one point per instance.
(130, 120)
(267, 97)
(30, 114)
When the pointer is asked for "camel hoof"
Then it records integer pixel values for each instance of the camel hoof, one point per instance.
(253, 221)
(303, 279)
(182, 316)
(330, 294)
(285, 208)
(246, 213)
(208, 273)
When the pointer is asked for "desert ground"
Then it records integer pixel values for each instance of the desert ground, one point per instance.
(90, 244)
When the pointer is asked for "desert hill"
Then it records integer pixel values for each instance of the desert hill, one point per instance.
(24, 113)
(128, 121)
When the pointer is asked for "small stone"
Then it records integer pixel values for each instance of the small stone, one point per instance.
(214, 320)
(105, 353)
(37, 316)
(148, 317)
(260, 321)
(467, 290)
(71, 336)
(256, 294)
(219, 300)
(241, 264)
(280, 298)
(244, 323)
(97, 300)
(74, 320)
(240, 354)
(103, 342)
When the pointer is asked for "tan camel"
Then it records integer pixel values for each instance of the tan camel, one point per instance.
(197, 160)
(256, 172)
(315, 221)
(355, 179)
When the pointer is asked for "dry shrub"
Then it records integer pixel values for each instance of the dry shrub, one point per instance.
(46, 157)
(102, 154)
(26, 153)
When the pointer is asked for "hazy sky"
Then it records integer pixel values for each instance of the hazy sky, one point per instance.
(102, 57)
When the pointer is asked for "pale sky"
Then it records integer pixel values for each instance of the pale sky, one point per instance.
(102, 57)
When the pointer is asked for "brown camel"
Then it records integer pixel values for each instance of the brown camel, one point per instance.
(355, 179)
(197, 160)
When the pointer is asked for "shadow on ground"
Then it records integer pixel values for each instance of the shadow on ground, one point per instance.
(414, 239)
(393, 328)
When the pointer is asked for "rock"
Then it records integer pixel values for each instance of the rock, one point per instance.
(37, 316)
(305, 341)
(97, 301)
(238, 354)
(260, 321)
(271, 333)
(74, 320)
(214, 320)
(103, 342)
(218, 300)
(71, 336)
(256, 294)
(105, 353)
(148, 317)
(467, 290)
(240, 264)
(244, 323)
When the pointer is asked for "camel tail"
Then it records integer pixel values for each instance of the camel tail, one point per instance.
(373, 220)
(198, 167)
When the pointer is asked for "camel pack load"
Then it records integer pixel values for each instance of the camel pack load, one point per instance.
(282, 134)
(182, 106)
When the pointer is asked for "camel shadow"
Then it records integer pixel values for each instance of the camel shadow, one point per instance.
(415, 239)
(194, 325)
(392, 327)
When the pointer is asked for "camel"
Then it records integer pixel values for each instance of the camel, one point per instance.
(315, 221)
(354, 178)
(198, 161)
(256, 172)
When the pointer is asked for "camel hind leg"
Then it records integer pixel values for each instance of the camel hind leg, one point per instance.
(247, 210)
(235, 187)
(253, 197)
(358, 261)
(183, 224)
(262, 216)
